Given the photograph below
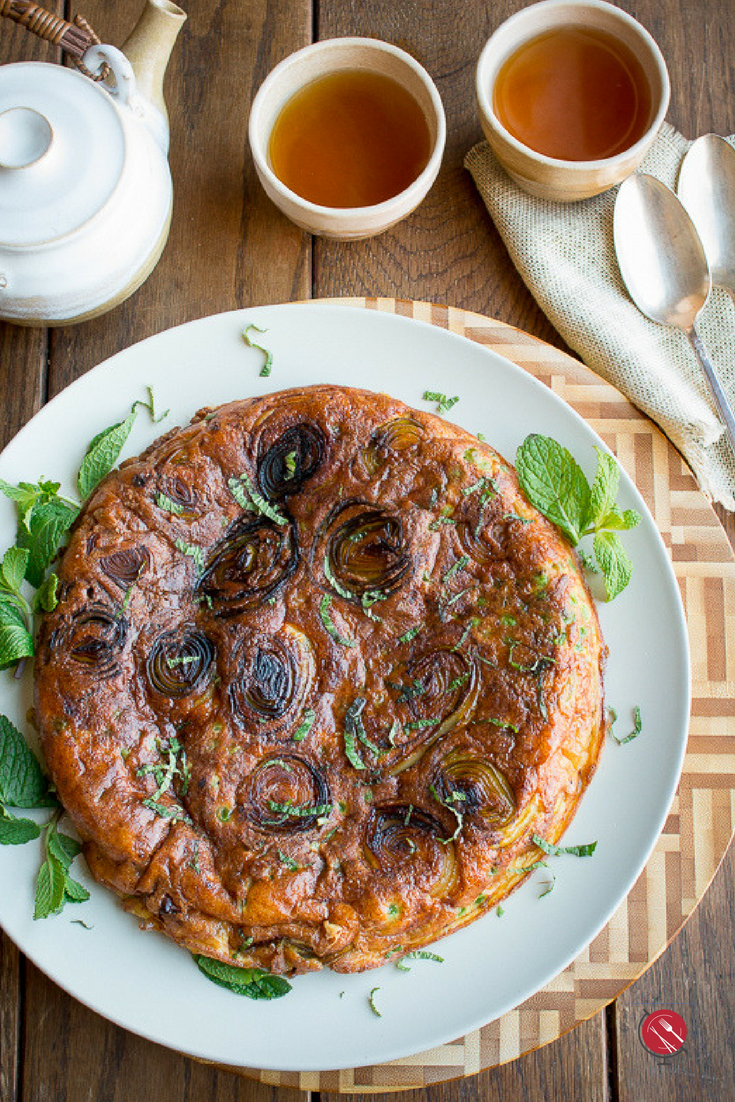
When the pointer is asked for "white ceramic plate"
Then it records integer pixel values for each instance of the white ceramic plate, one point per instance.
(143, 981)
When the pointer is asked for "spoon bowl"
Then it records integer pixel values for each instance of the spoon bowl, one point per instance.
(707, 190)
(664, 267)
(661, 257)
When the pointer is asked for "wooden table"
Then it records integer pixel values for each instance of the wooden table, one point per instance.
(230, 247)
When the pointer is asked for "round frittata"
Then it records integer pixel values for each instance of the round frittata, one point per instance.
(317, 677)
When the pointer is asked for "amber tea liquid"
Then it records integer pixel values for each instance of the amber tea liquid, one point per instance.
(350, 139)
(574, 93)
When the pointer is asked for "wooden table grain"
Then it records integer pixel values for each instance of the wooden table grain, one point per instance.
(229, 247)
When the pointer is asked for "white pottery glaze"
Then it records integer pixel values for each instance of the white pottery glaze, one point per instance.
(304, 66)
(549, 177)
(85, 188)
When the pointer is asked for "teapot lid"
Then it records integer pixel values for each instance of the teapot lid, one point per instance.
(62, 151)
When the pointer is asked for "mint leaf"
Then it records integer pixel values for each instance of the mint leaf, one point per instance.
(255, 983)
(193, 552)
(371, 1002)
(307, 722)
(22, 781)
(47, 525)
(163, 501)
(15, 643)
(74, 892)
(54, 886)
(28, 494)
(637, 726)
(614, 563)
(266, 368)
(150, 405)
(621, 521)
(16, 832)
(13, 569)
(604, 490)
(103, 453)
(444, 404)
(416, 954)
(351, 752)
(558, 851)
(62, 847)
(554, 483)
(330, 625)
(45, 599)
(50, 888)
(257, 502)
(12, 610)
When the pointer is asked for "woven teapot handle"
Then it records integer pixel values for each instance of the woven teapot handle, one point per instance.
(74, 38)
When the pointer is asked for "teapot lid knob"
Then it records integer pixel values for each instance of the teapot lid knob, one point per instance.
(25, 135)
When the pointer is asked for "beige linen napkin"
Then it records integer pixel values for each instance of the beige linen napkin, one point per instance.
(564, 253)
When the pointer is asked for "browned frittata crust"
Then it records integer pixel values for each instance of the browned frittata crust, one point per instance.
(317, 675)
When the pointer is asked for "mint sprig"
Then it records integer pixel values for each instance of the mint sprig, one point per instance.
(44, 519)
(254, 983)
(24, 784)
(27, 495)
(55, 887)
(49, 522)
(556, 485)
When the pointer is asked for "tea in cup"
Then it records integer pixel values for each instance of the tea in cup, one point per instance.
(571, 95)
(347, 136)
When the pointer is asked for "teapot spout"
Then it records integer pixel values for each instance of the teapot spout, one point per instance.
(149, 47)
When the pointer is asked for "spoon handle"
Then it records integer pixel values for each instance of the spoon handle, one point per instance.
(721, 401)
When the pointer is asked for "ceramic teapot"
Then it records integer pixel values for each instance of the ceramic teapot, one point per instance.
(85, 187)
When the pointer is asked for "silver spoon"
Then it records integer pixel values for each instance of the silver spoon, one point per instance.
(707, 190)
(664, 267)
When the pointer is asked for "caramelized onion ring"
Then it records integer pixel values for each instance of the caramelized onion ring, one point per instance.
(274, 678)
(438, 690)
(399, 435)
(179, 662)
(94, 639)
(125, 567)
(483, 527)
(253, 560)
(485, 791)
(289, 462)
(286, 794)
(401, 835)
(180, 493)
(364, 549)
